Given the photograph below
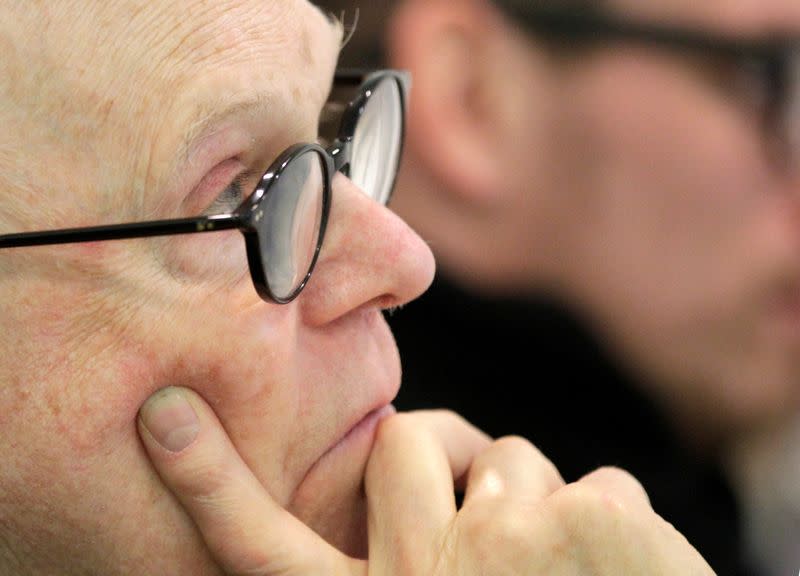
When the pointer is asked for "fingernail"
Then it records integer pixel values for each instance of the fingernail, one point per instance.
(170, 419)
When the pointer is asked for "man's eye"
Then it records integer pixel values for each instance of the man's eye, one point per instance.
(229, 199)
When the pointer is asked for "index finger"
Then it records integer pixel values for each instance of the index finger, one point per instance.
(245, 529)
(410, 482)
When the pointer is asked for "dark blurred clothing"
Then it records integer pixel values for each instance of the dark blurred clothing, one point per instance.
(529, 368)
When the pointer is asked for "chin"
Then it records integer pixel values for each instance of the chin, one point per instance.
(331, 498)
(343, 524)
(336, 510)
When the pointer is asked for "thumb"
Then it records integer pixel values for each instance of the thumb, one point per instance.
(244, 528)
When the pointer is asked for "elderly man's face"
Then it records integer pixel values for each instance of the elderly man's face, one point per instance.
(685, 243)
(130, 110)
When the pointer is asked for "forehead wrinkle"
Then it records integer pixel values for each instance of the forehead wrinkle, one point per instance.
(314, 53)
(248, 62)
(210, 116)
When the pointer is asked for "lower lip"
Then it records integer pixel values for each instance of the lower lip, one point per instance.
(364, 430)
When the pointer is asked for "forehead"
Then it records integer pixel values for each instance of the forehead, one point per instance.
(113, 93)
(168, 37)
(756, 17)
(288, 42)
(128, 58)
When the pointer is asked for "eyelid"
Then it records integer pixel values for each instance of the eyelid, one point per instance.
(231, 197)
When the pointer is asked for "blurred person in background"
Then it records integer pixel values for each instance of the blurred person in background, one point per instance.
(612, 193)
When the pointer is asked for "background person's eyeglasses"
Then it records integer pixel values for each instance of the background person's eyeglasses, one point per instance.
(772, 63)
(284, 219)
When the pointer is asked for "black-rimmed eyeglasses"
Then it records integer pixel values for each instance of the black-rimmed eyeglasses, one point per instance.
(773, 63)
(284, 219)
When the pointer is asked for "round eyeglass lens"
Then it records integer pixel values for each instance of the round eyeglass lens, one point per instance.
(289, 231)
(377, 142)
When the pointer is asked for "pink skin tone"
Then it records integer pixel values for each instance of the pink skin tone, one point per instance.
(91, 331)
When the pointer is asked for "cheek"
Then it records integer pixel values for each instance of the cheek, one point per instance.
(683, 236)
(79, 377)
(242, 362)
(217, 260)
(69, 437)
(674, 186)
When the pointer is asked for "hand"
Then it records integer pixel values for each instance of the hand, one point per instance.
(518, 516)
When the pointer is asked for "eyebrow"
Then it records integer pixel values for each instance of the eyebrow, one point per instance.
(210, 117)
(213, 114)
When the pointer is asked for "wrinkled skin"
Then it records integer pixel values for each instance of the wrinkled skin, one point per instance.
(125, 111)
(517, 517)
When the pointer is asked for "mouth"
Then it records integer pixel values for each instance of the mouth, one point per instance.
(363, 430)
(330, 483)
(354, 445)
(362, 422)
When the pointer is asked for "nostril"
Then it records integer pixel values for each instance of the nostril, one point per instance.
(370, 258)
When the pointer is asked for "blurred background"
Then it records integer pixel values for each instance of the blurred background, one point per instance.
(611, 192)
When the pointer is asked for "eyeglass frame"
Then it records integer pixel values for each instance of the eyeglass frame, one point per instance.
(335, 157)
(774, 57)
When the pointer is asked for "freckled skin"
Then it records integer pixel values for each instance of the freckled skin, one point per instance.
(98, 106)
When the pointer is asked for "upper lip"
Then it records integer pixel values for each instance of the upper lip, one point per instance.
(341, 435)
(364, 400)
(358, 417)
(379, 397)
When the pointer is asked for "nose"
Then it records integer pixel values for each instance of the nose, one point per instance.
(369, 257)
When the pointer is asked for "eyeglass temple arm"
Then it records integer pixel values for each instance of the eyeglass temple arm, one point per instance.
(123, 231)
(350, 76)
(357, 76)
(593, 24)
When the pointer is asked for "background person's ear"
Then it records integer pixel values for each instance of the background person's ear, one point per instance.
(454, 122)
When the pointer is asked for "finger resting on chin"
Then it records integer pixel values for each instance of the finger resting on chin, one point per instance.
(410, 484)
(243, 527)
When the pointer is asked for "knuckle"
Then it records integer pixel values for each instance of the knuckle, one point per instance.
(617, 476)
(584, 508)
(502, 525)
(580, 501)
(524, 448)
(621, 485)
(517, 448)
(514, 443)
